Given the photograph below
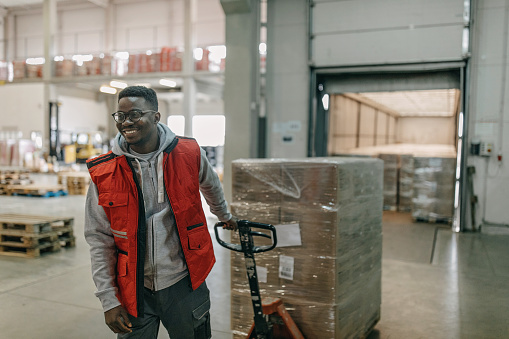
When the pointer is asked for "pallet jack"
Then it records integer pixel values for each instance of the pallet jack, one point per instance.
(271, 320)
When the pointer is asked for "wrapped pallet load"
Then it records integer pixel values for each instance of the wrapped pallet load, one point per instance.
(434, 185)
(327, 265)
(390, 181)
(406, 180)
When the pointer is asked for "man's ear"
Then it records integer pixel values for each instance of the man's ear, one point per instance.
(157, 117)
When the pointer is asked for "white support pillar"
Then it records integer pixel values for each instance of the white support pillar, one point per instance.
(189, 86)
(241, 83)
(49, 29)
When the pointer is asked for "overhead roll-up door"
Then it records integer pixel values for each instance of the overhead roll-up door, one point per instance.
(369, 32)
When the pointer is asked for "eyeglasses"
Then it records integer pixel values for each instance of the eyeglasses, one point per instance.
(133, 115)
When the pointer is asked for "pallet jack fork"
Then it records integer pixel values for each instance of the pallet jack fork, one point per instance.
(271, 320)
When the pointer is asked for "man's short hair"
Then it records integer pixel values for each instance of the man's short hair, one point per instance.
(148, 94)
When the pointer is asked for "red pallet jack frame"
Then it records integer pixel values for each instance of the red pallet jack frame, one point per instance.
(271, 320)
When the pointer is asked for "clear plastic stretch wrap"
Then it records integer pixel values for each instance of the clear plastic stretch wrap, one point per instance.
(406, 179)
(390, 181)
(332, 288)
(434, 188)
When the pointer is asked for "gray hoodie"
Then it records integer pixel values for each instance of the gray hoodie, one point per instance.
(164, 261)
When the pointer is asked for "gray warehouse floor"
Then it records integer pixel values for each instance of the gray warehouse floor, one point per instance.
(435, 284)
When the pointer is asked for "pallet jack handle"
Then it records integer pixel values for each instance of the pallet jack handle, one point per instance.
(245, 228)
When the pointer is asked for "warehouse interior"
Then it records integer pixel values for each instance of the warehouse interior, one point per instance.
(376, 147)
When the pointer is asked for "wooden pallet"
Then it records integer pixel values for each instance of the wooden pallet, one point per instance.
(29, 252)
(15, 238)
(24, 223)
(66, 236)
(34, 190)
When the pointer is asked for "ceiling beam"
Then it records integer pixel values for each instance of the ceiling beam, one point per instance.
(374, 104)
(101, 3)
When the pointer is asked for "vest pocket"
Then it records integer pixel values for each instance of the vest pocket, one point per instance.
(115, 206)
(122, 265)
(198, 236)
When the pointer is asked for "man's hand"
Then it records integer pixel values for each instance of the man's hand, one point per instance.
(118, 320)
(230, 224)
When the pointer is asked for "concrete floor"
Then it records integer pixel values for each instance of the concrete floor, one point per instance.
(435, 284)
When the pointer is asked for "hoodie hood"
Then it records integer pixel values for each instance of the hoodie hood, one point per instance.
(166, 136)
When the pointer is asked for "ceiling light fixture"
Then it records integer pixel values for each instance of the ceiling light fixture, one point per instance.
(108, 90)
(118, 84)
(167, 82)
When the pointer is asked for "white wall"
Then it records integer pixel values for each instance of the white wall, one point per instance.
(136, 26)
(489, 114)
(22, 108)
(423, 130)
(83, 114)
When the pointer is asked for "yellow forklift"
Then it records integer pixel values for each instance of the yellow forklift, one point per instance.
(86, 145)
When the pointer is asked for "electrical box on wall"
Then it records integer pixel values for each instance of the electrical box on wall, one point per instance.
(485, 149)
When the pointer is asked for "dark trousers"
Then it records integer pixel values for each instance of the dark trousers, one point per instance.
(183, 312)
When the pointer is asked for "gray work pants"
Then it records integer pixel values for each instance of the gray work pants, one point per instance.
(183, 312)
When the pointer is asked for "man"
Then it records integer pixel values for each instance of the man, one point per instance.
(149, 243)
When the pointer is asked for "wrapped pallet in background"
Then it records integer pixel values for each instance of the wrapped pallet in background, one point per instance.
(434, 185)
(330, 280)
(406, 179)
(390, 181)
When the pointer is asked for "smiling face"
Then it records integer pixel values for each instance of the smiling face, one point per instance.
(141, 135)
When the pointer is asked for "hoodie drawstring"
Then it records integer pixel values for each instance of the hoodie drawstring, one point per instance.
(160, 180)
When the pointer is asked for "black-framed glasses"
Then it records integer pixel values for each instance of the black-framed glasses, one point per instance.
(133, 115)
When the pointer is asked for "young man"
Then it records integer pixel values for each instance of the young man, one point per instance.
(149, 243)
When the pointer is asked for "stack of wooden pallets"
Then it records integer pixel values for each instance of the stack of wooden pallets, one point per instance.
(13, 177)
(76, 182)
(31, 235)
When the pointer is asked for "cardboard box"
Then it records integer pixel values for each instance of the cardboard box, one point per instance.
(334, 288)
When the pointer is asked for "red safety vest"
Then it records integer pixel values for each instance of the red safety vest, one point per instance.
(121, 197)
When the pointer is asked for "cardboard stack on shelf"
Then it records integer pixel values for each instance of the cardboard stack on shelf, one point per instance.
(330, 277)
(434, 184)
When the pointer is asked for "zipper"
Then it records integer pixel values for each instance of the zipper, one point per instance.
(194, 226)
(141, 244)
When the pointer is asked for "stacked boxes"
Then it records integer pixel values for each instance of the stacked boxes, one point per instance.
(333, 289)
(434, 186)
(390, 181)
(406, 179)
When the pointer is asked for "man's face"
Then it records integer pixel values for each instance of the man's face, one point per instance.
(138, 133)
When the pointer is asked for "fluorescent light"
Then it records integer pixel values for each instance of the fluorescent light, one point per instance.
(108, 89)
(325, 101)
(262, 48)
(118, 84)
(59, 58)
(198, 53)
(35, 61)
(169, 83)
(146, 84)
(122, 55)
(149, 52)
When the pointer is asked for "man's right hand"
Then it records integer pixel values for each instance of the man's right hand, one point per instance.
(118, 320)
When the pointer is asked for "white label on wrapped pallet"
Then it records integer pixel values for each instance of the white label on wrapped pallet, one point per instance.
(286, 267)
(288, 235)
(262, 274)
